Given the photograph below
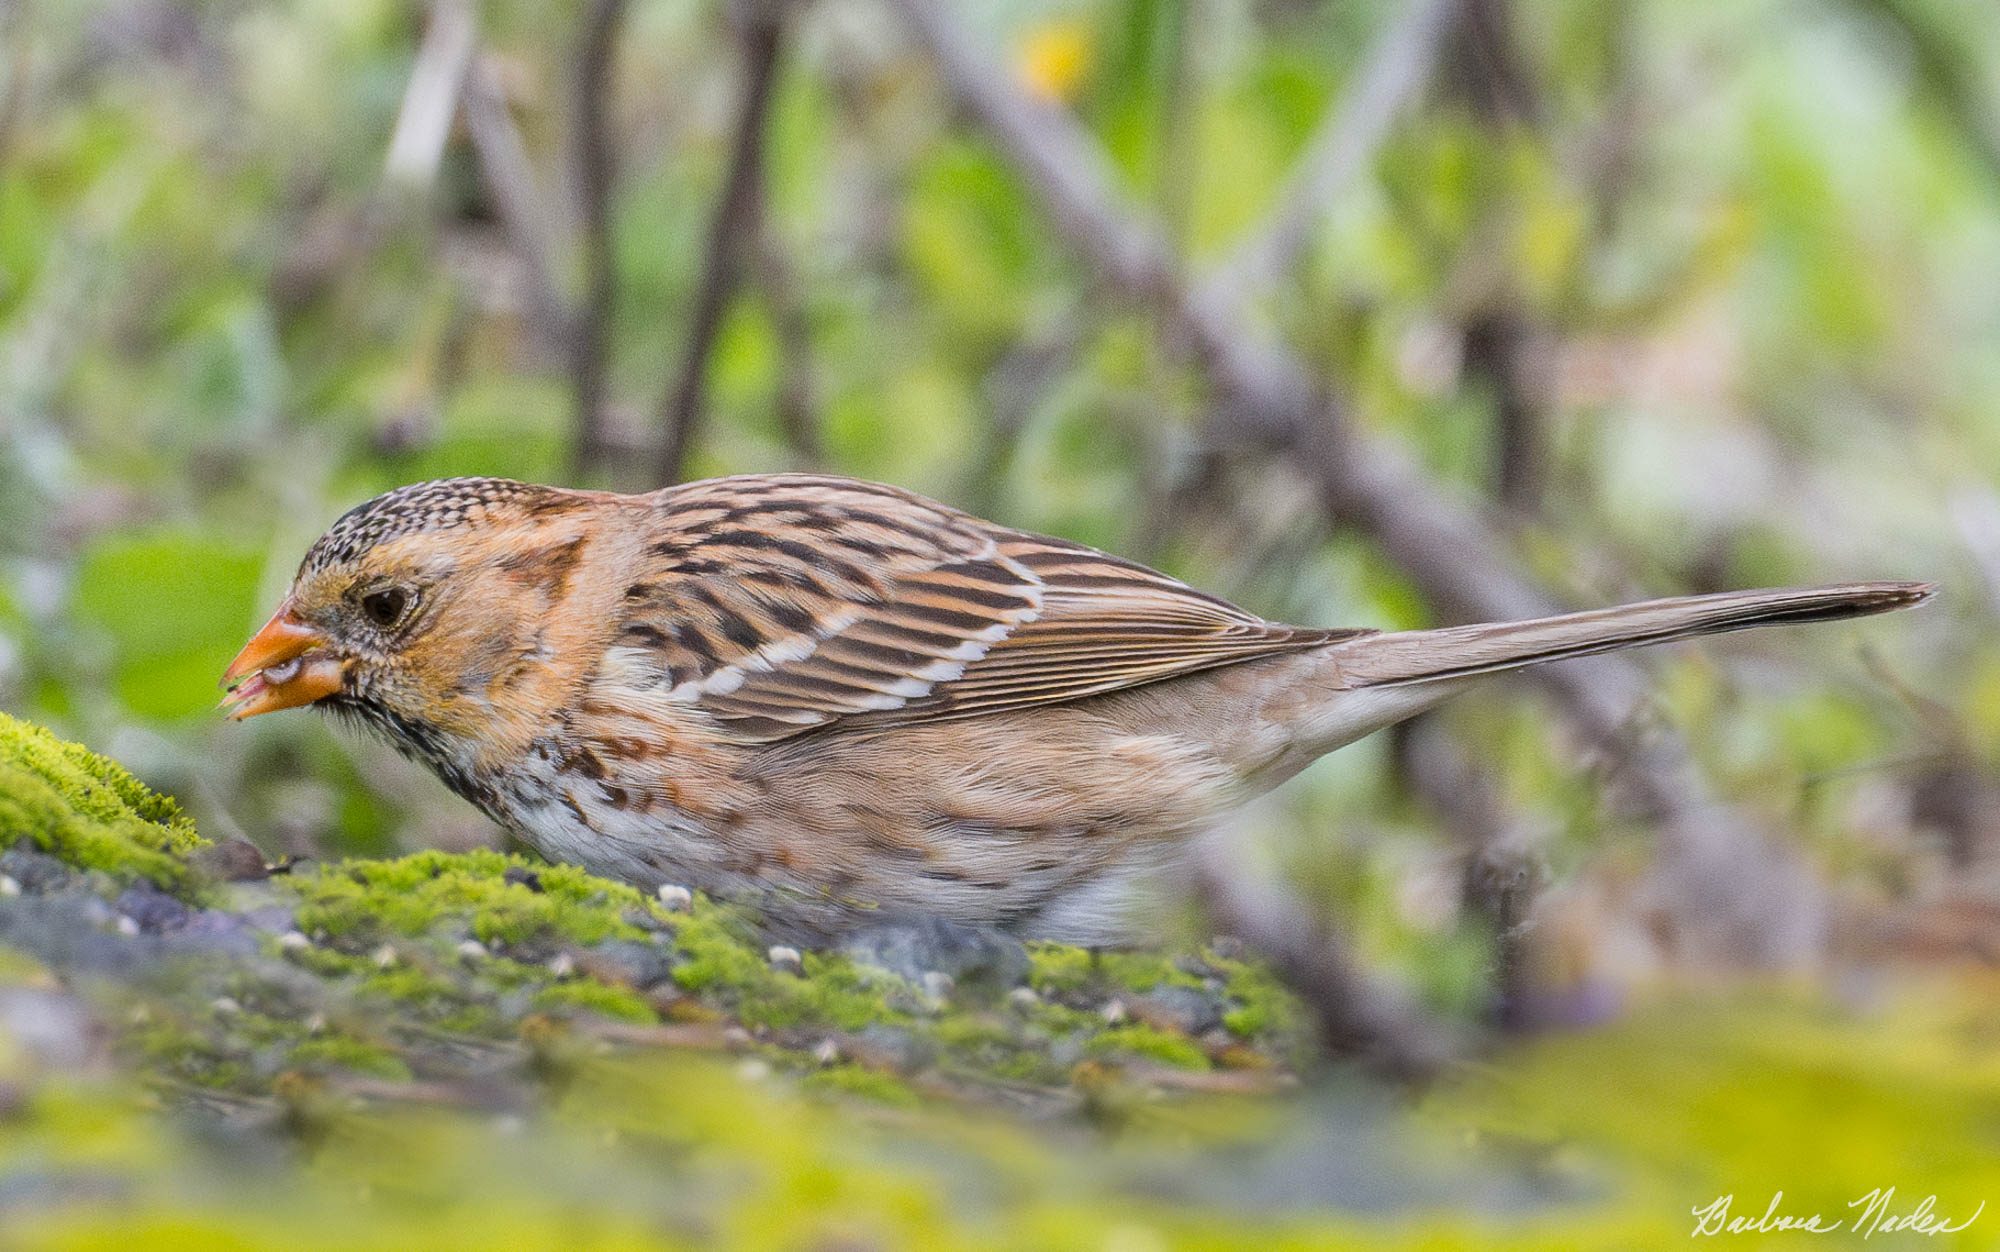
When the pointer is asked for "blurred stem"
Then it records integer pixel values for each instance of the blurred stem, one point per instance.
(1503, 865)
(14, 45)
(430, 99)
(1176, 169)
(1014, 388)
(523, 212)
(1339, 152)
(1497, 348)
(738, 206)
(1950, 74)
(595, 173)
(797, 401)
(1358, 1017)
(1496, 342)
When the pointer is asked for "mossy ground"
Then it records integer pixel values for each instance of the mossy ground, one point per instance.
(87, 810)
(475, 1050)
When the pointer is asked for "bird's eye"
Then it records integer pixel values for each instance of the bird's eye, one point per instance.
(386, 607)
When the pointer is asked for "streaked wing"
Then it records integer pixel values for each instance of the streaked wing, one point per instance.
(784, 603)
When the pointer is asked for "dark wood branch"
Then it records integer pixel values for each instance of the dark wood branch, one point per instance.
(1498, 348)
(595, 174)
(730, 229)
(1486, 74)
(1747, 898)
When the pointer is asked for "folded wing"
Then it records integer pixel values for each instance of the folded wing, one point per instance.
(787, 603)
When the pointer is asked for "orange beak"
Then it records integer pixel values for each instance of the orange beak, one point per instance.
(277, 669)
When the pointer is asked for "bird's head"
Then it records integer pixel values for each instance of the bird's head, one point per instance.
(440, 605)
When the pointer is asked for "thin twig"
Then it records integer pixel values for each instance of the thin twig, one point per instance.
(1748, 896)
(797, 401)
(430, 100)
(1503, 863)
(1340, 151)
(1497, 340)
(1950, 71)
(742, 189)
(595, 174)
(1359, 1018)
(523, 211)
(18, 50)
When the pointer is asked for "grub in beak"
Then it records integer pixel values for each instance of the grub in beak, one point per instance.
(279, 669)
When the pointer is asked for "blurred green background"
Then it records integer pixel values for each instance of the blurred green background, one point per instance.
(1722, 272)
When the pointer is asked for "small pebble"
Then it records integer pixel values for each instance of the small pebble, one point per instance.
(735, 1038)
(938, 985)
(9, 885)
(472, 950)
(562, 965)
(316, 1023)
(127, 927)
(1115, 1012)
(753, 1070)
(1024, 999)
(385, 956)
(675, 898)
(225, 1004)
(293, 941)
(826, 1052)
(782, 957)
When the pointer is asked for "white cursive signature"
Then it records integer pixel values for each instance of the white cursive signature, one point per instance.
(1875, 1216)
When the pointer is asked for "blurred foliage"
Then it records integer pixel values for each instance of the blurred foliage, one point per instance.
(1746, 242)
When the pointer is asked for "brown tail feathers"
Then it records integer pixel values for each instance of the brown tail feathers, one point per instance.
(1419, 656)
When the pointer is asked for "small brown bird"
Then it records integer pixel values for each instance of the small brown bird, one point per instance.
(848, 701)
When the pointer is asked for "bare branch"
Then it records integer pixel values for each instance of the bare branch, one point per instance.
(1503, 860)
(594, 176)
(1340, 151)
(1744, 897)
(1950, 72)
(729, 230)
(510, 177)
(1358, 1017)
(430, 100)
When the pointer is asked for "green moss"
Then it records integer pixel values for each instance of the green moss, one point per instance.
(384, 943)
(87, 810)
(868, 1084)
(338, 1052)
(584, 995)
(1137, 1039)
(428, 892)
(1250, 1019)
(1064, 972)
(980, 1045)
(716, 952)
(722, 961)
(1263, 1006)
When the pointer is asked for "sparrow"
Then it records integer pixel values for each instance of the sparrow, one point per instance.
(846, 702)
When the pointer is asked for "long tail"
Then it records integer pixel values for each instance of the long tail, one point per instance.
(1422, 656)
